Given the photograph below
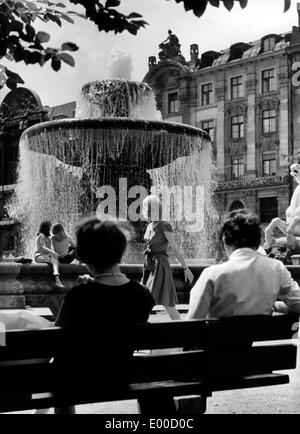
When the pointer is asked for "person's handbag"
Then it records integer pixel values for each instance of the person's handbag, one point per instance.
(149, 263)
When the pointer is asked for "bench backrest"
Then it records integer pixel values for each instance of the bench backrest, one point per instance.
(218, 349)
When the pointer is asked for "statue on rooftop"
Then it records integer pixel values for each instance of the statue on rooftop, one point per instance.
(170, 47)
(289, 229)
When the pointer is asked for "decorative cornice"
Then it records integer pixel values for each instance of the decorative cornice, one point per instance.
(236, 146)
(267, 103)
(242, 184)
(236, 108)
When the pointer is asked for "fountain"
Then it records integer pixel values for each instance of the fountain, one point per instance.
(117, 136)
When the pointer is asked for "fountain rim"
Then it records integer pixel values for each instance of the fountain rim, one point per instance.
(117, 122)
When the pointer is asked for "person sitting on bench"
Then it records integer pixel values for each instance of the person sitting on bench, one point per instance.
(248, 283)
(110, 298)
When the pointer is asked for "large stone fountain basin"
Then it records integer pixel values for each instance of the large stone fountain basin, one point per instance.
(157, 143)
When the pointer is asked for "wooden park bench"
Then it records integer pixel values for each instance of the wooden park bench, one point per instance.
(96, 364)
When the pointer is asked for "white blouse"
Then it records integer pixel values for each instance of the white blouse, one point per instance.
(247, 284)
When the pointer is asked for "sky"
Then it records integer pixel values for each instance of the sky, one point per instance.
(217, 29)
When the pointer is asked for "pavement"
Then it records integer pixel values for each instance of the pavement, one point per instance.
(282, 399)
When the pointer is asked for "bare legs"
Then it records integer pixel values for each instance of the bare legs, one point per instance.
(50, 259)
(173, 313)
(55, 265)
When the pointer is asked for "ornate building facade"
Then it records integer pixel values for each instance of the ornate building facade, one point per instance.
(245, 98)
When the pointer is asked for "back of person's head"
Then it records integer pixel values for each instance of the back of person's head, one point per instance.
(45, 228)
(58, 231)
(101, 244)
(241, 228)
(152, 208)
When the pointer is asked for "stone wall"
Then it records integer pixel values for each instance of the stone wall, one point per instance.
(34, 285)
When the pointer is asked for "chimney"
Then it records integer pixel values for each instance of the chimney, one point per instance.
(151, 62)
(194, 50)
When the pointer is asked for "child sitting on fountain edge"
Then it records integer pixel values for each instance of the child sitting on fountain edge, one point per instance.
(44, 253)
(63, 245)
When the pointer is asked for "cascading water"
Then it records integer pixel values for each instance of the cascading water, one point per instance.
(117, 134)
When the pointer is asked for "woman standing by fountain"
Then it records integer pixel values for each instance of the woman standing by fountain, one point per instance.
(157, 275)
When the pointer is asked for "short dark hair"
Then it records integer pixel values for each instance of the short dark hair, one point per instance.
(101, 244)
(241, 228)
(45, 228)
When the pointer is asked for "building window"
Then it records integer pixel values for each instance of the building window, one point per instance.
(269, 121)
(209, 127)
(269, 164)
(173, 102)
(237, 127)
(207, 94)
(268, 209)
(269, 44)
(236, 205)
(237, 88)
(268, 80)
(237, 167)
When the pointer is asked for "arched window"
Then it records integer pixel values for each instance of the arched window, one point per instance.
(237, 204)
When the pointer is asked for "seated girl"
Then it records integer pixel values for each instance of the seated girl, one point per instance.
(110, 297)
(101, 245)
(63, 245)
(44, 253)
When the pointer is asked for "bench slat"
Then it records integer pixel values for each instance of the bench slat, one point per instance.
(224, 332)
(250, 381)
(136, 391)
(206, 366)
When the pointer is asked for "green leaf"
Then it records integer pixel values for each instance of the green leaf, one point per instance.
(67, 59)
(215, 3)
(55, 63)
(42, 37)
(31, 6)
(11, 84)
(243, 3)
(112, 3)
(53, 17)
(25, 18)
(14, 76)
(9, 56)
(228, 4)
(30, 31)
(287, 5)
(69, 46)
(20, 5)
(134, 15)
(67, 18)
